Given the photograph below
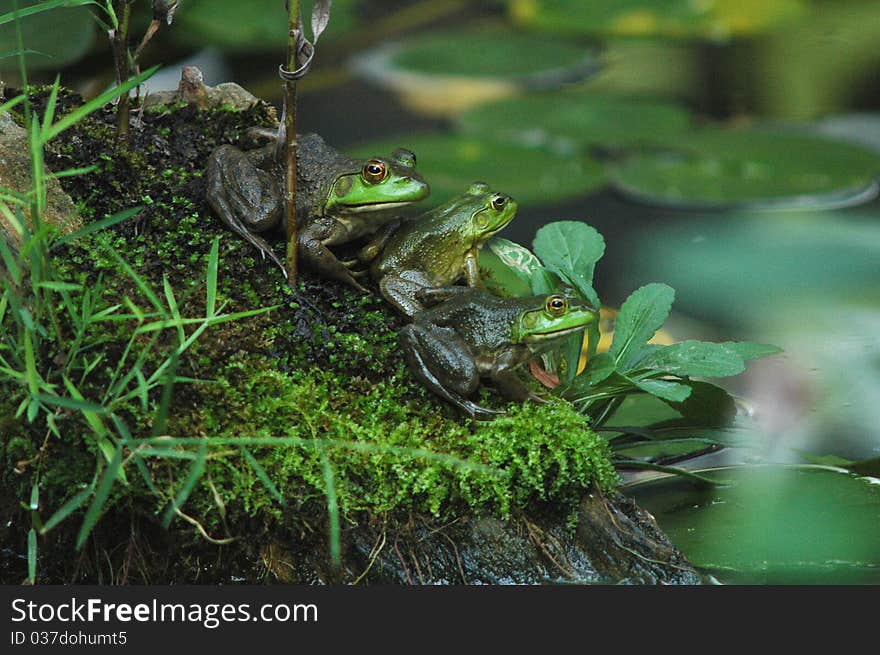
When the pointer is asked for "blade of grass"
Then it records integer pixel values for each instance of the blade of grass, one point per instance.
(211, 278)
(43, 6)
(72, 118)
(102, 492)
(32, 556)
(66, 509)
(108, 221)
(195, 473)
(262, 475)
(332, 508)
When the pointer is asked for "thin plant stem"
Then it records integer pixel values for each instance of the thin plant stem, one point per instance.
(293, 39)
(122, 61)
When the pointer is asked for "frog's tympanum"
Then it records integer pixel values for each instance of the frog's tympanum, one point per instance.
(436, 249)
(473, 334)
(338, 199)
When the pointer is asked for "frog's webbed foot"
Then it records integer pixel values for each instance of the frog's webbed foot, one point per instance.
(432, 352)
(370, 251)
(319, 257)
(350, 265)
(402, 290)
(435, 295)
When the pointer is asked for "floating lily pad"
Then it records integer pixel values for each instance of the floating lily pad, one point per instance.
(715, 20)
(252, 26)
(41, 37)
(773, 524)
(451, 164)
(750, 169)
(567, 120)
(445, 72)
(860, 129)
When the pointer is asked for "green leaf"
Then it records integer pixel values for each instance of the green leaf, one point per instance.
(32, 556)
(102, 492)
(39, 30)
(66, 510)
(641, 315)
(666, 449)
(676, 19)
(507, 268)
(192, 478)
(574, 120)
(701, 481)
(571, 249)
(452, 163)
(261, 474)
(752, 349)
(599, 368)
(665, 389)
(694, 358)
(749, 169)
(97, 225)
(708, 405)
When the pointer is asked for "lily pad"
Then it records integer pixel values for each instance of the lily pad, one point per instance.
(774, 524)
(40, 37)
(717, 20)
(451, 164)
(443, 73)
(861, 129)
(565, 121)
(252, 26)
(749, 169)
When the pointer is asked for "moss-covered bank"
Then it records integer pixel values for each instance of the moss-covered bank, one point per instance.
(319, 401)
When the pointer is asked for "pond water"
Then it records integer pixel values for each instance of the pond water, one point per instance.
(806, 278)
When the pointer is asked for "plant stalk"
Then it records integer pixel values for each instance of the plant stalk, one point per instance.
(119, 41)
(294, 30)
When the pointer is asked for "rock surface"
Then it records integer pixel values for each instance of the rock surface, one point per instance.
(15, 175)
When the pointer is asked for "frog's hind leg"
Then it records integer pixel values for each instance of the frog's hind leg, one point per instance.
(428, 349)
(245, 197)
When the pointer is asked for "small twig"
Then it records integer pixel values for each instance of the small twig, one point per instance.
(201, 529)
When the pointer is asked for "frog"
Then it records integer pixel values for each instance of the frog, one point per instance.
(471, 334)
(437, 248)
(338, 199)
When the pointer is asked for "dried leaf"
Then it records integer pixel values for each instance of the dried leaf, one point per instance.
(320, 17)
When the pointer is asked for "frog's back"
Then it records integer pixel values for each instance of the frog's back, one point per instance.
(317, 166)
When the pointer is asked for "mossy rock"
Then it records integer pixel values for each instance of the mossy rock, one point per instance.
(285, 414)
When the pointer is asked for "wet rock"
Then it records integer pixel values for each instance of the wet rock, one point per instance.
(192, 90)
(15, 174)
(615, 542)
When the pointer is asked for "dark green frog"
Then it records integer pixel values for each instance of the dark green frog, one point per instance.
(338, 199)
(473, 334)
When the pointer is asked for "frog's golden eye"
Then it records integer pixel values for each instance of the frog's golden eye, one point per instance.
(375, 171)
(499, 202)
(556, 305)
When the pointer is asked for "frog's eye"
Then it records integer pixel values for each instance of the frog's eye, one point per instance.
(375, 171)
(499, 202)
(556, 305)
(404, 157)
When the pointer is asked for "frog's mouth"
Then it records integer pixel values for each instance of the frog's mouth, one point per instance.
(538, 337)
(373, 206)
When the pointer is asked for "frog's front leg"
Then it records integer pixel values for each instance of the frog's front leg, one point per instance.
(443, 363)
(402, 290)
(503, 374)
(316, 254)
(472, 269)
(246, 197)
(370, 251)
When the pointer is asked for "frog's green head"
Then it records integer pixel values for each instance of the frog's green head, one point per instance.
(491, 211)
(550, 317)
(378, 184)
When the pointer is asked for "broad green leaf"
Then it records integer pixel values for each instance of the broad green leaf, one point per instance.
(493, 51)
(716, 21)
(708, 405)
(452, 163)
(694, 358)
(571, 121)
(39, 31)
(571, 249)
(641, 315)
(665, 449)
(749, 169)
(252, 26)
(751, 349)
(507, 268)
(665, 389)
(773, 524)
(599, 368)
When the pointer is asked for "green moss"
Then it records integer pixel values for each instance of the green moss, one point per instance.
(329, 388)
